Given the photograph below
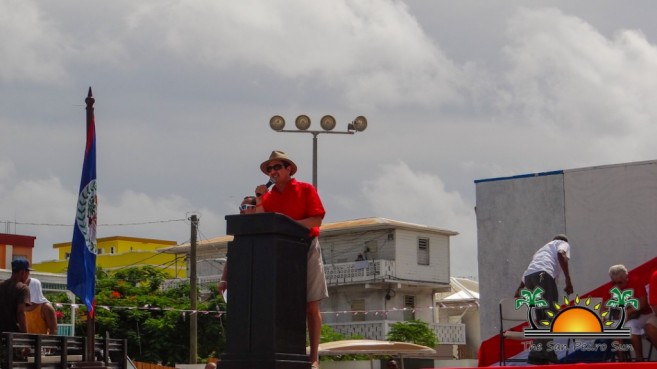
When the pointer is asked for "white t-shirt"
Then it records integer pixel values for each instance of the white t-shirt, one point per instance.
(546, 259)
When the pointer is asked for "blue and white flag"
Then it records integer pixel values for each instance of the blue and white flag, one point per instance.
(82, 262)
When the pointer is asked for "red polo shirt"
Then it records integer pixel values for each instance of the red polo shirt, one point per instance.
(299, 200)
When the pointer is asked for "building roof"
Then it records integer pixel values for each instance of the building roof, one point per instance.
(378, 223)
(326, 229)
(16, 240)
(121, 238)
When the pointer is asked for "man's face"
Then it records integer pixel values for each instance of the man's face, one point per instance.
(23, 276)
(246, 207)
(620, 281)
(278, 172)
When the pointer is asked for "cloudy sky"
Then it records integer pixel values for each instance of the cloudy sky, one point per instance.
(453, 91)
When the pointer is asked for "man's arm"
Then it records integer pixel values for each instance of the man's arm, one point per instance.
(49, 316)
(20, 316)
(563, 262)
(311, 222)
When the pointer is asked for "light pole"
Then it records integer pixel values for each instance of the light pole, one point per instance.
(277, 123)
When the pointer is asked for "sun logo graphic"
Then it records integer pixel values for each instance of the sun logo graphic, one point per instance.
(579, 318)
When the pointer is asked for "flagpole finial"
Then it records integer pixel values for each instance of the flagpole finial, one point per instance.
(89, 100)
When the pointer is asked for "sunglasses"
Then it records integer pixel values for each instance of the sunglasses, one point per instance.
(244, 207)
(274, 167)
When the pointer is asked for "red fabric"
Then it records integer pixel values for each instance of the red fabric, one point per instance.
(652, 299)
(299, 200)
(638, 284)
(314, 232)
(644, 365)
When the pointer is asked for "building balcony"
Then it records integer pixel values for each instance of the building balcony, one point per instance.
(447, 334)
(359, 272)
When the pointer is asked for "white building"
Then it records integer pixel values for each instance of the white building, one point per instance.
(404, 265)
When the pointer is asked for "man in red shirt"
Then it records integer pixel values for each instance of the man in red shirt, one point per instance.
(299, 201)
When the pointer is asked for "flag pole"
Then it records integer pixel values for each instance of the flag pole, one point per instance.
(81, 273)
(91, 319)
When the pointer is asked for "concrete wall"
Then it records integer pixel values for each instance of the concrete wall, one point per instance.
(608, 213)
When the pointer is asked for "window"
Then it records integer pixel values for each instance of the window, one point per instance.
(99, 251)
(422, 251)
(358, 310)
(67, 255)
(18, 257)
(409, 307)
(371, 250)
(112, 250)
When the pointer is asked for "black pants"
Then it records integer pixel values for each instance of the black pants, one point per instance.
(550, 295)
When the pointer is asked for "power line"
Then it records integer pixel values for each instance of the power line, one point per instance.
(101, 224)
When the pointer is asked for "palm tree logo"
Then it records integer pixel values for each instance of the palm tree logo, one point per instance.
(621, 299)
(572, 319)
(533, 299)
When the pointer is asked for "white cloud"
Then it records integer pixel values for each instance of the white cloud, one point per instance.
(373, 53)
(32, 49)
(403, 194)
(45, 209)
(567, 74)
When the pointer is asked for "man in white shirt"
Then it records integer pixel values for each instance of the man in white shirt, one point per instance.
(543, 271)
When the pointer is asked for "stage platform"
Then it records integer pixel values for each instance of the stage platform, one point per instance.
(641, 365)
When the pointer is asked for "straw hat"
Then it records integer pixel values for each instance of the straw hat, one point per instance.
(278, 155)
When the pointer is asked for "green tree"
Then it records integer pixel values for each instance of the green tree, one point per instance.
(154, 321)
(413, 331)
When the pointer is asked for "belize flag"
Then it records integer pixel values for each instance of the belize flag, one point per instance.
(81, 276)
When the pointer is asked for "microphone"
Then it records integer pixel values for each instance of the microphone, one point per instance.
(268, 184)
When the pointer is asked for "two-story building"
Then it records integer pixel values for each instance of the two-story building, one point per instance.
(379, 271)
(120, 252)
(15, 246)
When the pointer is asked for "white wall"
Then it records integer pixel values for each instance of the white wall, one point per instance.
(608, 213)
(406, 257)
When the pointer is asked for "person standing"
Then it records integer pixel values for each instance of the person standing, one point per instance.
(299, 201)
(543, 271)
(40, 315)
(15, 297)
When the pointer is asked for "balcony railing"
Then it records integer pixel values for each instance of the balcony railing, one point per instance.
(378, 330)
(204, 282)
(358, 271)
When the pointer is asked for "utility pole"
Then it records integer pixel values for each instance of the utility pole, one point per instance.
(193, 322)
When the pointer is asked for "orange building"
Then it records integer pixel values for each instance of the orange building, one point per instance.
(14, 246)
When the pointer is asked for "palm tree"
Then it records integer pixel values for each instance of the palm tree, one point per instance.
(620, 300)
(533, 300)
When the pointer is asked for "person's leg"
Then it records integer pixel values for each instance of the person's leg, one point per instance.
(651, 330)
(550, 295)
(636, 330)
(314, 329)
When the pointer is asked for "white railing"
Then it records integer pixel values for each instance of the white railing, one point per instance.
(450, 333)
(358, 271)
(204, 282)
(378, 330)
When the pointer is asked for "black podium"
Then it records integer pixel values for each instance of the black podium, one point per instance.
(266, 310)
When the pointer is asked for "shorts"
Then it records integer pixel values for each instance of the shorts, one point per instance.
(316, 288)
